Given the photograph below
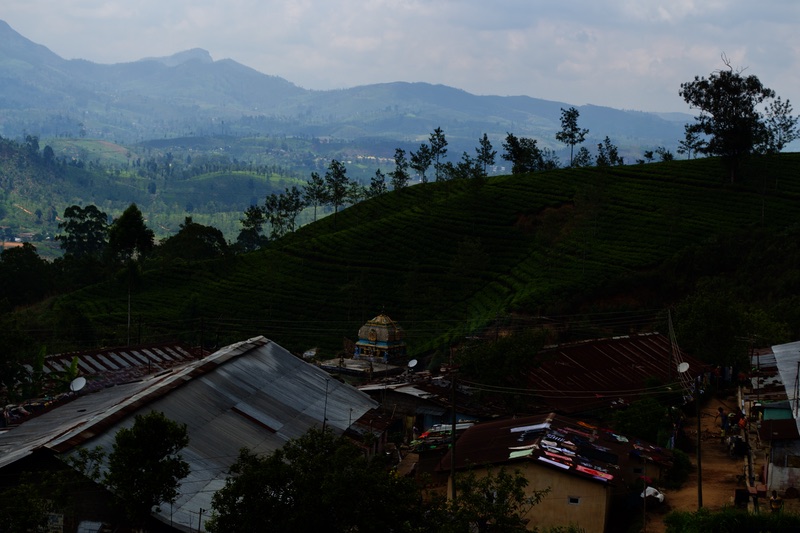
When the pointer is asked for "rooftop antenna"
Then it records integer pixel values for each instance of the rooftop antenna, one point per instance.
(412, 364)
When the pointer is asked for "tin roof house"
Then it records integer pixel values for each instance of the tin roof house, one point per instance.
(252, 394)
(584, 466)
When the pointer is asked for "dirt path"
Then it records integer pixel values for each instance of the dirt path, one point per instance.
(721, 474)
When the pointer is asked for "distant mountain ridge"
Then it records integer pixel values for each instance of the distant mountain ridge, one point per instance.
(189, 93)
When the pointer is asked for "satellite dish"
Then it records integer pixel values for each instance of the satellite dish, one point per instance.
(683, 367)
(412, 363)
(77, 384)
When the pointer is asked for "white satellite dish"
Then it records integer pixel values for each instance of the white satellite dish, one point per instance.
(77, 384)
(683, 367)
(412, 363)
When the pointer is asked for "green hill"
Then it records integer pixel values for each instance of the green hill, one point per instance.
(447, 259)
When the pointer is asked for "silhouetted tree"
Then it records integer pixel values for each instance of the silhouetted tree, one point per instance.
(570, 133)
(486, 155)
(337, 186)
(730, 117)
(85, 231)
(399, 176)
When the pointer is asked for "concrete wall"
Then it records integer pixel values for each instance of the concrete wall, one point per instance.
(572, 499)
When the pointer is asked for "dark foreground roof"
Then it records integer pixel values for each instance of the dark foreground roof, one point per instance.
(252, 394)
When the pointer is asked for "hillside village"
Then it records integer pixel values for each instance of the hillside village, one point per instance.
(220, 329)
(256, 394)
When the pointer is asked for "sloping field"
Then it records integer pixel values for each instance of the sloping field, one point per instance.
(445, 259)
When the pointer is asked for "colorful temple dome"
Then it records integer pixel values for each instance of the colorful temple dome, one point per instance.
(381, 339)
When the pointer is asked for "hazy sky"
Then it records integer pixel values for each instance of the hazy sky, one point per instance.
(629, 54)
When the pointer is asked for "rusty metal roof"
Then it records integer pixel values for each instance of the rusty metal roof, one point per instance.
(595, 374)
(252, 394)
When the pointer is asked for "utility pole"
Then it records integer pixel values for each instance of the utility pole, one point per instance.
(453, 436)
(699, 454)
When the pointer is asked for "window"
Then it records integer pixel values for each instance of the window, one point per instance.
(573, 500)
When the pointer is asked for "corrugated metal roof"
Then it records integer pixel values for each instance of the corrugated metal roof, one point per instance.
(785, 383)
(252, 394)
(116, 365)
(593, 374)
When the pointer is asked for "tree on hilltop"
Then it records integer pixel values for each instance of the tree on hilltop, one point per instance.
(731, 117)
(337, 186)
(399, 176)
(570, 133)
(485, 155)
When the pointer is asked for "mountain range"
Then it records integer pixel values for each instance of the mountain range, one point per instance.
(190, 94)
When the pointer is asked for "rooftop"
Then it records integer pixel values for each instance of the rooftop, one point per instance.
(557, 442)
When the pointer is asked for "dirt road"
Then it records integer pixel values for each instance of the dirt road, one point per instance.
(721, 474)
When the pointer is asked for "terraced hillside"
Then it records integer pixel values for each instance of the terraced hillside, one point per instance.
(446, 259)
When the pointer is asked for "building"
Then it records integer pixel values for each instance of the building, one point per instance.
(251, 394)
(585, 467)
(772, 401)
(381, 340)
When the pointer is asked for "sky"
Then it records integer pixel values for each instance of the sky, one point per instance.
(627, 54)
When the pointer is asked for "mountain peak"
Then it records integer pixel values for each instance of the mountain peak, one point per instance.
(194, 54)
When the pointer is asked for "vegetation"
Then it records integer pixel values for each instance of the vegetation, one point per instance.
(145, 467)
(323, 482)
(313, 483)
(732, 521)
(732, 120)
(447, 259)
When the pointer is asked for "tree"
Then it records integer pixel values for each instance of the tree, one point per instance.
(194, 242)
(28, 277)
(607, 154)
(129, 239)
(251, 236)
(691, 142)
(314, 192)
(317, 482)
(85, 232)
(570, 133)
(486, 155)
(523, 153)
(293, 204)
(466, 168)
(337, 185)
(399, 176)
(583, 158)
(781, 126)
(145, 466)
(730, 115)
(421, 161)
(664, 154)
(377, 185)
(438, 151)
(498, 501)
